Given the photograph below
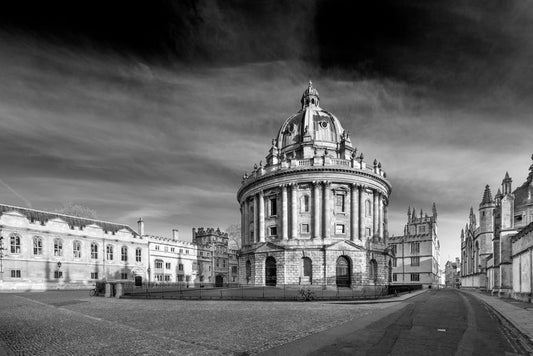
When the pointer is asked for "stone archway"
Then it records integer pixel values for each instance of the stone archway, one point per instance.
(343, 269)
(270, 271)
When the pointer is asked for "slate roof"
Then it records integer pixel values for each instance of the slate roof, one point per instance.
(43, 216)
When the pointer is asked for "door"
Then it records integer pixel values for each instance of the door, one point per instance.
(270, 271)
(343, 272)
(219, 281)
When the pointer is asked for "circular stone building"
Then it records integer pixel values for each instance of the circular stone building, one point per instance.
(316, 212)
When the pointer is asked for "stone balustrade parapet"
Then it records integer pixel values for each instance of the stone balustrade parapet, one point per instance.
(297, 164)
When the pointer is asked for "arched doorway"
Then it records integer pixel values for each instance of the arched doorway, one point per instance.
(270, 271)
(219, 281)
(343, 272)
(307, 271)
(248, 271)
(373, 272)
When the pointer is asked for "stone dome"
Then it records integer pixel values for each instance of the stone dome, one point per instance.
(312, 126)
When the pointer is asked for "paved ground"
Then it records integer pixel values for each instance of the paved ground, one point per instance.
(438, 322)
(71, 322)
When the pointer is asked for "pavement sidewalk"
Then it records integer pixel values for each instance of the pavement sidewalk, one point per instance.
(517, 313)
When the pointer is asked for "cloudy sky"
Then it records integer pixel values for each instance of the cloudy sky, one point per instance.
(156, 110)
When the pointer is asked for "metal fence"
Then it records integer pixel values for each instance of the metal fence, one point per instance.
(247, 292)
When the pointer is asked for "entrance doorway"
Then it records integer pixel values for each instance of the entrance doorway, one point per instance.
(219, 281)
(138, 281)
(343, 272)
(270, 271)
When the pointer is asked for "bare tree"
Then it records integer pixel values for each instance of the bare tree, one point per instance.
(77, 210)
(234, 236)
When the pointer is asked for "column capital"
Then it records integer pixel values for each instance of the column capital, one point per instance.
(326, 182)
(283, 186)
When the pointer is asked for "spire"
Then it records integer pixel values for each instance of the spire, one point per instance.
(421, 214)
(487, 196)
(434, 210)
(462, 235)
(413, 216)
(472, 217)
(506, 184)
(409, 214)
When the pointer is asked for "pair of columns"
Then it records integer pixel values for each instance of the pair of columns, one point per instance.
(319, 214)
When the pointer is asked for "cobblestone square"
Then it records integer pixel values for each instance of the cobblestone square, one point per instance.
(71, 322)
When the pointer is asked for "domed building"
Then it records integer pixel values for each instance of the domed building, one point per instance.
(316, 212)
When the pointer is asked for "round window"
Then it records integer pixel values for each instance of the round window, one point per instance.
(323, 124)
(291, 127)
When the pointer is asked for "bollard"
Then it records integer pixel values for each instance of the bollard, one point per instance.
(108, 290)
(119, 290)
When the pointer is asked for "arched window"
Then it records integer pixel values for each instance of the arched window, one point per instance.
(307, 268)
(124, 253)
(368, 208)
(138, 254)
(76, 249)
(15, 243)
(94, 251)
(180, 267)
(109, 252)
(37, 245)
(248, 270)
(58, 247)
(373, 273)
(305, 204)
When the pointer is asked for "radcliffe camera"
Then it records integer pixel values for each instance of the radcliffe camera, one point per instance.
(301, 177)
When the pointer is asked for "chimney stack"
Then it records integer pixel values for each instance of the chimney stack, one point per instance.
(175, 234)
(140, 227)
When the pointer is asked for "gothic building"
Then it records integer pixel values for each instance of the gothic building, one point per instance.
(495, 253)
(417, 251)
(315, 213)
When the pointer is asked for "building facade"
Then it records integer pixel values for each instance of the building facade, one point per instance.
(490, 249)
(44, 250)
(452, 274)
(315, 213)
(417, 251)
(217, 263)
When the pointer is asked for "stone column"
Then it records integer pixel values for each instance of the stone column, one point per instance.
(361, 212)
(243, 225)
(385, 220)
(354, 197)
(375, 212)
(261, 217)
(294, 211)
(247, 221)
(380, 201)
(284, 213)
(316, 209)
(326, 210)
(255, 219)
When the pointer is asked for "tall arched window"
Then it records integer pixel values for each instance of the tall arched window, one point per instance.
(37, 245)
(94, 251)
(58, 247)
(15, 243)
(373, 273)
(124, 253)
(368, 208)
(305, 204)
(248, 270)
(138, 254)
(109, 252)
(76, 249)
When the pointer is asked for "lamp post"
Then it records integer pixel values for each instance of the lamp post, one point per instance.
(1, 258)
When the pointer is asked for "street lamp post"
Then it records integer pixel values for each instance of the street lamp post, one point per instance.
(1, 258)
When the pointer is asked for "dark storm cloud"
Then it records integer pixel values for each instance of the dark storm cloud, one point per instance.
(156, 111)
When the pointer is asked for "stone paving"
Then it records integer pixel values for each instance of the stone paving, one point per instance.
(517, 313)
(71, 322)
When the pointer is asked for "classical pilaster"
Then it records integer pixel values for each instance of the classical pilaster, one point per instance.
(380, 209)
(255, 220)
(294, 211)
(284, 213)
(354, 197)
(261, 217)
(361, 212)
(326, 210)
(247, 222)
(316, 209)
(385, 219)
